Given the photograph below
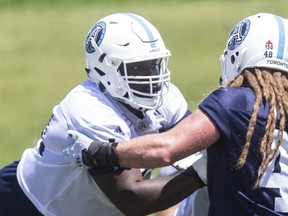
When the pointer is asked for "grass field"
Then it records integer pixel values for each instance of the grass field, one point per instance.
(42, 58)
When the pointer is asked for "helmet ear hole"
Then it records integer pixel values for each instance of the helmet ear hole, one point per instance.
(232, 59)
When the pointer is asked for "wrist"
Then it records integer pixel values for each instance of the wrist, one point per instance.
(101, 154)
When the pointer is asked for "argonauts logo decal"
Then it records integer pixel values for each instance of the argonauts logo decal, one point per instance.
(96, 33)
(238, 34)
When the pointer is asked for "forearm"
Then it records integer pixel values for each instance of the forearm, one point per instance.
(194, 133)
(152, 154)
(150, 196)
(155, 153)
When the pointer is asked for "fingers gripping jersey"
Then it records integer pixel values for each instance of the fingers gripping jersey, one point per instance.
(230, 189)
(51, 183)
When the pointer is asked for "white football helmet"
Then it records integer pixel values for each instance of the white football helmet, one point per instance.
(127, 57)
(260, 40)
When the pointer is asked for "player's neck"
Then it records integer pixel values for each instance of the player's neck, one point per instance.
(136, 112)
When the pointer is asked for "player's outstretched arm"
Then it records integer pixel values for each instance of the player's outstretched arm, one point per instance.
(135, 196)
(126, 187)
(194, 133)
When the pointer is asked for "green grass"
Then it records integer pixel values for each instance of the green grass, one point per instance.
(42, 58)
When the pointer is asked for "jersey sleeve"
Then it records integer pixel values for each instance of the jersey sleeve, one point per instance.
(93, 114)
(214, 107)
(230, 109)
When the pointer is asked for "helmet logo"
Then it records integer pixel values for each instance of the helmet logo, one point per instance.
(97, 34)
(238, 34)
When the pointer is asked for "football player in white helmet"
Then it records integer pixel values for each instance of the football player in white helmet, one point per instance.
(128, 58)
(243, 125)
(128, 94)
(258, 41)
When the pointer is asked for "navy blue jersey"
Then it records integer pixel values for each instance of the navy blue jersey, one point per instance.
(230, 189)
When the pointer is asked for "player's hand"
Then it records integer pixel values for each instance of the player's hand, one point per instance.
(74, 154)
(199, 163)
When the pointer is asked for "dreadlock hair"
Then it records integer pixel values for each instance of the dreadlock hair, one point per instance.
(272, 86)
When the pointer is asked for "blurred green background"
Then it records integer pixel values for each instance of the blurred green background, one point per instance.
(42, 57)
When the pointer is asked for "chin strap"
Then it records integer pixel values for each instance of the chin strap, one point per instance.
(101, 154)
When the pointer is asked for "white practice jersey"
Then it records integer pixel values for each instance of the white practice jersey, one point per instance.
(58, 189)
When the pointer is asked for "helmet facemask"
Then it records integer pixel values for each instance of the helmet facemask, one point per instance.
(146, 82)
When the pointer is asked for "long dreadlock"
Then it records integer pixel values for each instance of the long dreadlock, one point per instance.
(272, 86)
